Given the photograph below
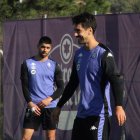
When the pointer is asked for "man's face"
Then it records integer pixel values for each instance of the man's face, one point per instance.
(81, 34)
(44, 49)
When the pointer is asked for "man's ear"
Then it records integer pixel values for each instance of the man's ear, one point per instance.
(91, 30)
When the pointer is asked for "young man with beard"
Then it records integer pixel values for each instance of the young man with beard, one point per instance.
(94, 69)
(39, 74)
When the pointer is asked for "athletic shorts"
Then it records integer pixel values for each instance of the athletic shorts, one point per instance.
(91, 128)
(32, 121)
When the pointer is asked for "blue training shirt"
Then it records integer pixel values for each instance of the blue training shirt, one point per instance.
(95, 71)
(89, 69)
(41, 80)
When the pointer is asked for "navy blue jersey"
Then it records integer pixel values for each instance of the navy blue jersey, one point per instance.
(38, 80)
(95, 71)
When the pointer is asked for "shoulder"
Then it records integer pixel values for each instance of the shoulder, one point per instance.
(52, 61)
(78, 50)
(29, 62)
(29, 59)
(103, 48)
(55, 65)
(105, 51)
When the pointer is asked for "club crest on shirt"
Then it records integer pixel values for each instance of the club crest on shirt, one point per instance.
(94, 54)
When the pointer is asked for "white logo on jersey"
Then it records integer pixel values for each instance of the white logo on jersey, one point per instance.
(93, 128)
(78, 67)
(33, 71)
(33, 68)
(109, 55)
(49, 64)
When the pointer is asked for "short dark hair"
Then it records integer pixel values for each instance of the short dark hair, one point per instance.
(45, 39)
(86, 19)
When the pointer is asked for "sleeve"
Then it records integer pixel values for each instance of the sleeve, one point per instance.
(115, 78)
(70, 87)
(24, 82)
(59, 82)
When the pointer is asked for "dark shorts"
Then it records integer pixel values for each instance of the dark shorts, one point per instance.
(32, 121)
(91, 128)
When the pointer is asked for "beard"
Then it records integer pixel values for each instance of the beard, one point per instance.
(80, 40)
(43, 54)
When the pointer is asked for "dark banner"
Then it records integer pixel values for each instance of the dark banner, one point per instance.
(121, 33)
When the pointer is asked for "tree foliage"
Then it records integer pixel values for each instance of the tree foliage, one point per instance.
(53, 8)
(5, 10)
(29, 9)
(125, 6)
